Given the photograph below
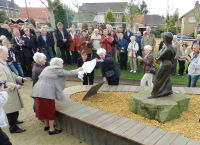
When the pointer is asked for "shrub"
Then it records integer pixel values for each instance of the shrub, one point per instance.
(192, 35)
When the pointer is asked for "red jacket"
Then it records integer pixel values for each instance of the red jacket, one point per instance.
(109, 42)
(71, 43)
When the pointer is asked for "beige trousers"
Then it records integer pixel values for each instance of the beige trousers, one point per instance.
(133, 63)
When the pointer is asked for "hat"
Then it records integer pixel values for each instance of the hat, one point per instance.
(84, 31)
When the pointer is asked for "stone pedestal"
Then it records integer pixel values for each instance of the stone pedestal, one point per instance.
(161, 109)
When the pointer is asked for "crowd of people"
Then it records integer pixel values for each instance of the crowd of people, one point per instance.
(27, 55)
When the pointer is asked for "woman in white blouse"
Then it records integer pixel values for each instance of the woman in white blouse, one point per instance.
(182, 59)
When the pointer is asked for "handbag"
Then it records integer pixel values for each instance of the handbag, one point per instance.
(89, 45)
(110, 73)
(152, 69)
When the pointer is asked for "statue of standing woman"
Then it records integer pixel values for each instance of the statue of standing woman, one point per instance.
(163, 85)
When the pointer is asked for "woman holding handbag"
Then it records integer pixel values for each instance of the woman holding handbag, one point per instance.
(109, 69)
(147, 61)
(132, 49)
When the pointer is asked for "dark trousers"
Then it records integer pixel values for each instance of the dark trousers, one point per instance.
(89, 55)
(4, 140)
(95, 55)
(173, 72)
(113, 53)
(123, 60)
(65, 55)
(181, 67)
(12, 120)
(75, 56)
(26, 66)
(114, 82)
(91, 79)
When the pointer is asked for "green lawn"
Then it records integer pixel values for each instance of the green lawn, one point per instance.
(138, 75)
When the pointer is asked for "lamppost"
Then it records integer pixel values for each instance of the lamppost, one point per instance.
(46, 16)
(8, 10)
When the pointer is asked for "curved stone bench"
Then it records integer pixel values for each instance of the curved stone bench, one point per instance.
(97, 127)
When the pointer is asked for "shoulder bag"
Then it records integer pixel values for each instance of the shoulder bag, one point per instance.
(152, 69)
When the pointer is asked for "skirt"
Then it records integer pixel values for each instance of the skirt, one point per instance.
(45, 109)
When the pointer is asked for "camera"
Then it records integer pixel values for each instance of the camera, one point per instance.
(4, 83)
(188, 56)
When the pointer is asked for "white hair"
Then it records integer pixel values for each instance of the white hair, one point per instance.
(148, 28)
(38, 57)
(139, 32)
(3, 49)
(120, 34)
(42, 29)
(56, 61)
(101, 51)
(147, 47)
(96, 30)
(2, 37)
(59, 24)
(80, 24)
(107, 25)
(175, 36)
(132, 37)
(105, 30)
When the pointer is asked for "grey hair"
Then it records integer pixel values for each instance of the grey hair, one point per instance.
(42, 29)
(196, 44)
(71, 29)
(139, 32)
(175, 36)
(132, 37)
(147, 47)
(96, 30)
(59, 24)
(105, 30)
(38, 57)
(120, 34)
(107, 25)
(101, 51)
(3, 49)
(56, 61)
(2, 37)
(149, 28)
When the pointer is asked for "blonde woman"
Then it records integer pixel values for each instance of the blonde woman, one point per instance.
(132, 49)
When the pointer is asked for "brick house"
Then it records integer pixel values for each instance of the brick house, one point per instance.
(100, 9)
(189, 21)
(11, 9)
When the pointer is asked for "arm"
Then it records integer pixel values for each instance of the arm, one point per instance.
(82, 42)
(126, 44)
(142, 42)
(57, 36)
(154, 42)
(109, 40)
(3, 98)
(103, 71)
(70, 39)
(148, 60)
(103, 40)
(195, 65)
(39, 42)
(129, 46)
(26, 43)
(89, 40)
(118, 46)
(78, 42)
(177, 51)
(108, 59)
(51, 42)
(64, 73)
(136, 48)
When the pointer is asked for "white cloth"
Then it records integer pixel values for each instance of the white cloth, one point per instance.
(3, 99)
(88, 67)
(147, 78)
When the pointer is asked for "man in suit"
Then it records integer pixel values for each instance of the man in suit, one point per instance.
(196, 41)
(128, 34)
(24, 55)
(62, 37)
(176, 46)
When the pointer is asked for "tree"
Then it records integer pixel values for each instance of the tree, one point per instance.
(197, 17)
(109, 17)
(132, 12)
(143, 8)
(2, 17)
(124, 20)
(32, 21)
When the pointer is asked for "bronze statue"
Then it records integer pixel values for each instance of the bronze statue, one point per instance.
(163, 85)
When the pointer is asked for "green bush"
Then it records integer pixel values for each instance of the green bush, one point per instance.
(198, 32)
(192, 35)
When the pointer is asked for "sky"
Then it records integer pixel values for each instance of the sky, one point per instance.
(155, 6)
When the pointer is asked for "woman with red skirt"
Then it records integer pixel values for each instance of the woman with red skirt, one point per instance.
(49, 88)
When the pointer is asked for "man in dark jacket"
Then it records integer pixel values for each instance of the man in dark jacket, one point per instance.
(24, 55)
(4, 32)
(128, 34)
(196, 41)
(62, 37)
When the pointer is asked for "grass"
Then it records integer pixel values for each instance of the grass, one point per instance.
(138, 75)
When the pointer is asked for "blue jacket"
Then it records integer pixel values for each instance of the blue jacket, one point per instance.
(122, 43)
(108, 65)
(47, 44)
(138, 40)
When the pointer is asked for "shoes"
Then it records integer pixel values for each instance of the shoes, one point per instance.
(55, 132)
(131, 71)
(46, 128)
(18, 131)
(134, 71)
(20, 122)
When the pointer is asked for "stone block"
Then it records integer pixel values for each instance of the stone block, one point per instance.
(161, 109)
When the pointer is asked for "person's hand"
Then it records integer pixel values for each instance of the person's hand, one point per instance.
(121, 51)
(189, 59)
(86, 42)
(64, 40)
(122, 48)
(105, 38)
(104, 79)
(184, 57)
(80, 69)
(139, 57)
(174, 57)
(43, 48)
(82, 80)
(5, 89)
(38, 49)
(27, 80)
(98, 60)
(21, 42)
(10, 46)
(19, 87)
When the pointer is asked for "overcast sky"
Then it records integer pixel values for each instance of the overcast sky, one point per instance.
(154, 6)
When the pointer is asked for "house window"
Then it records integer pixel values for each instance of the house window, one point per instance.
(16, 14)
(6, 12)
(12, 13)
(117, 16)
(191, 19)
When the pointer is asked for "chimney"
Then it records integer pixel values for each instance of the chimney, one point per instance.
(13, 3)
(196, 3)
